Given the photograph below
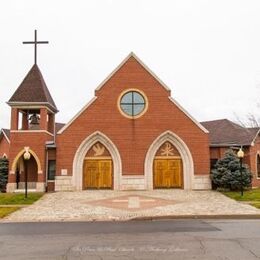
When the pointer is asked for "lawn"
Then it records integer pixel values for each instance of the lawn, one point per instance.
(6, 211)
(250, 196)
(8, 199)
(18, 198)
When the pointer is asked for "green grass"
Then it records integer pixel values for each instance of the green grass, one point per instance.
(18, 199)
(249, 195)
(6, 211)
(256, 204)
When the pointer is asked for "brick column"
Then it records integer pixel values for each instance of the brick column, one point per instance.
(43, 120)
(25, 122)
(14, 118)
(51, 123)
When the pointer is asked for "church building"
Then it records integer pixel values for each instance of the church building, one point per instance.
(132, 135)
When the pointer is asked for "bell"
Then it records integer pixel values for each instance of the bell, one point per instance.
(34, 119)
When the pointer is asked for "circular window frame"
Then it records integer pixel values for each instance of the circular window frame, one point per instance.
(139, 92)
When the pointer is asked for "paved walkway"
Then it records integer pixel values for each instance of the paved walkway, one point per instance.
(125, 205)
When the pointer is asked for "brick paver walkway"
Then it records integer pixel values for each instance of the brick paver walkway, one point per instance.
(125, 205)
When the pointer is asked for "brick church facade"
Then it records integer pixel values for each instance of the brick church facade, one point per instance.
(131, 136)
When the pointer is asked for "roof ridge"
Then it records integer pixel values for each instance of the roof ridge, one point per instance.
(45, 89)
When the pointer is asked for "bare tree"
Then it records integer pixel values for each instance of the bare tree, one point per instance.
(250, 120)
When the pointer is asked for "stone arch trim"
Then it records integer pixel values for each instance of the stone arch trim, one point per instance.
(18, 156)
(77, 175)
(188, 167)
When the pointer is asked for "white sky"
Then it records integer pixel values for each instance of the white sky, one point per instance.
(207, 52)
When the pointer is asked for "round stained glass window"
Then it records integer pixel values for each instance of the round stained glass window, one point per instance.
(132, 103)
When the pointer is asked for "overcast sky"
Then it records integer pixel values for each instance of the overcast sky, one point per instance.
(207, 52)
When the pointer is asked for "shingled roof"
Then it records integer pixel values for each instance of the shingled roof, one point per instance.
(5, 133)
(58, 127)
(33, 89)
(224, 132)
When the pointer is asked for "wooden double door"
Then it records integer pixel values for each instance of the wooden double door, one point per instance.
(97, 174)
(167, 173)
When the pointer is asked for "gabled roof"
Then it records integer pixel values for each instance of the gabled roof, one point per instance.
(6, 133)
(33, 90)
(58, 127)
(152, 74)
(132, 54)
(224, 132)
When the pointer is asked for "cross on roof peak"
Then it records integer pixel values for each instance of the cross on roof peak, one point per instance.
(35, 42)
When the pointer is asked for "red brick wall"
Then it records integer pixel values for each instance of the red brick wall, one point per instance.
(36, 141)
(4, 147)
(52, 154)
(217, 152)
(133, 137)
(250, 158)
(254, 150)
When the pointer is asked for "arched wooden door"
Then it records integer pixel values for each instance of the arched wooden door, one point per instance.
(167, 167)
(98, 168)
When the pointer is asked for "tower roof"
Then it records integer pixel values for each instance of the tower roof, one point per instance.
(33, 90)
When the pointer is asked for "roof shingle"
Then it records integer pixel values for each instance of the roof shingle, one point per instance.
(33, 89)
(224, 132)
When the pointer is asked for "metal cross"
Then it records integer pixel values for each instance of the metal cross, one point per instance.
(35, 42)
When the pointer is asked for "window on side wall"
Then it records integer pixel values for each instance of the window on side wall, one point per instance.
(258, 166)
(51, 169)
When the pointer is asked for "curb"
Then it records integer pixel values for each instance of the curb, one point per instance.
(234, 216)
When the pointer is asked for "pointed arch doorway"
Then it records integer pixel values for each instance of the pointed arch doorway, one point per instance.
(98, 168)
(187, 168)
(167, 167)
(82, 152)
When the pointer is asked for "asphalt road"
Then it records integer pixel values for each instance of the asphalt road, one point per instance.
(168, 239)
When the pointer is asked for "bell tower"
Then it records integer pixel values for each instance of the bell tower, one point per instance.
(32, 107)
(32, 126)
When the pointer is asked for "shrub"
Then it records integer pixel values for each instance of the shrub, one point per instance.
(227, 175)
(3, 173)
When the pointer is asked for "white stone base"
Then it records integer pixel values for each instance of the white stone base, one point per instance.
(202, 182)
(30, 185)
(40, 187)
(63, 183)
(10, 187)
(132, 182)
